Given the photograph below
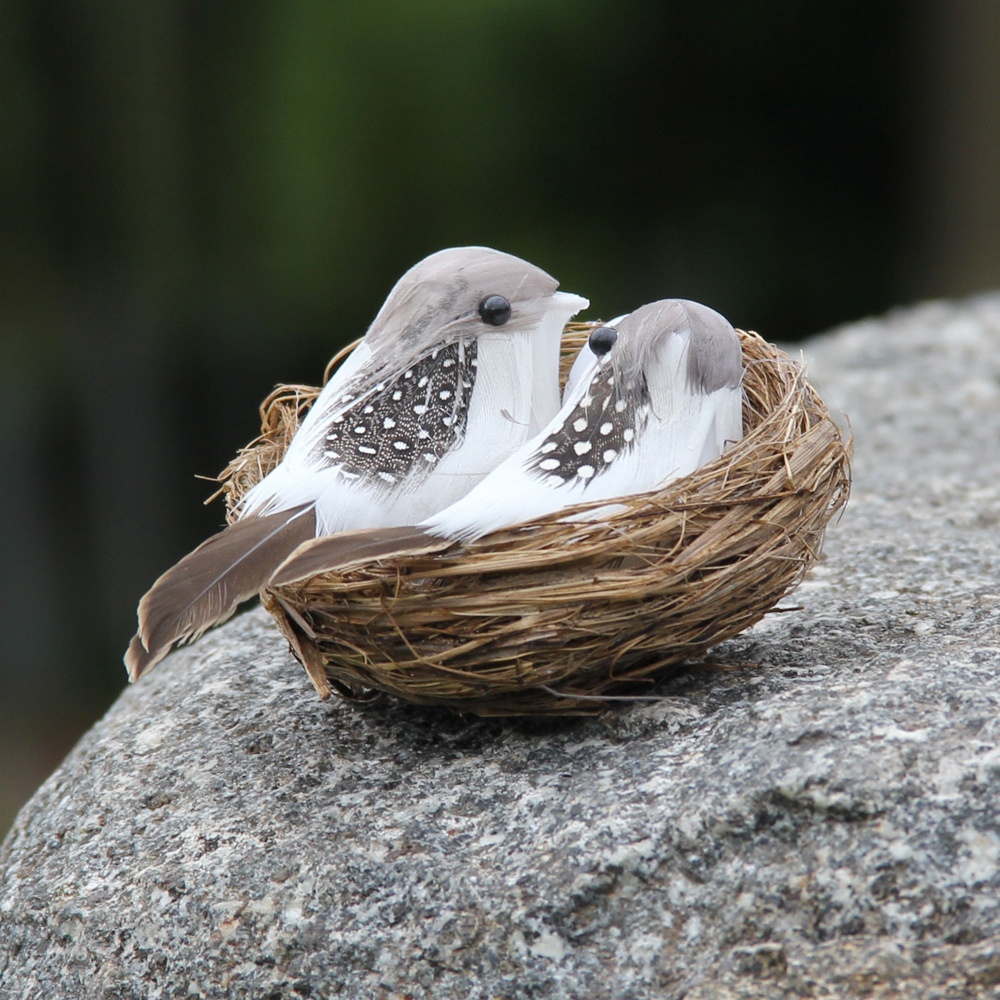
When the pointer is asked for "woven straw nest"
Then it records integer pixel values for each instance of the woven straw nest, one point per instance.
(555, 617)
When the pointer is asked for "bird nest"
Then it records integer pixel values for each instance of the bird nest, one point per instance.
(558, 616)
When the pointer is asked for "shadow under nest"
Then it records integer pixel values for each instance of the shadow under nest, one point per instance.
(557, 617)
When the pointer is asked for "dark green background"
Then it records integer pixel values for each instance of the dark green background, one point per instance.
(200, 199)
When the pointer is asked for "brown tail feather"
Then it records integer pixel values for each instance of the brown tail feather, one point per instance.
(349, 548)
(208, 584)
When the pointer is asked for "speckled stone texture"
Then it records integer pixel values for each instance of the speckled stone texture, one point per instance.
(824, 823)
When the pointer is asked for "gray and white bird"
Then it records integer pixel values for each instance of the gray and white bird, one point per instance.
(457, 370)
(652, 398)
(659, 396)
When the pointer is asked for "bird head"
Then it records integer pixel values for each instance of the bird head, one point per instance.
(465, 292)
(648, 339)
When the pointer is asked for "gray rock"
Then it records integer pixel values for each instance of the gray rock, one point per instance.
(824, 823)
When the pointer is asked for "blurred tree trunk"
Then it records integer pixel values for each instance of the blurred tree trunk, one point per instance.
(957, 187)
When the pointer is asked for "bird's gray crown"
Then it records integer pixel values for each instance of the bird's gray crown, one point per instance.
(438, 300)
(714, 359)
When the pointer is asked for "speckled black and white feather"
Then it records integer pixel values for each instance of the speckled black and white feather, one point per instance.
(395, 434)
(599, 430)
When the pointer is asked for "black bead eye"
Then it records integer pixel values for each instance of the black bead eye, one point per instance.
(602, 340)
(494, 310)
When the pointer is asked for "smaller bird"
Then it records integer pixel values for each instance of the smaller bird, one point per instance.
(652, 398)
(458, 368)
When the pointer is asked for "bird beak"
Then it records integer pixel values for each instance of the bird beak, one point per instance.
(569, 303)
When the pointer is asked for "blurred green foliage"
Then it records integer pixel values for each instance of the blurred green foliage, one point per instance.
(258, 172)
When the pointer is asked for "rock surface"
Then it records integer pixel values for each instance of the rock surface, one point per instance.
(823, 824)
